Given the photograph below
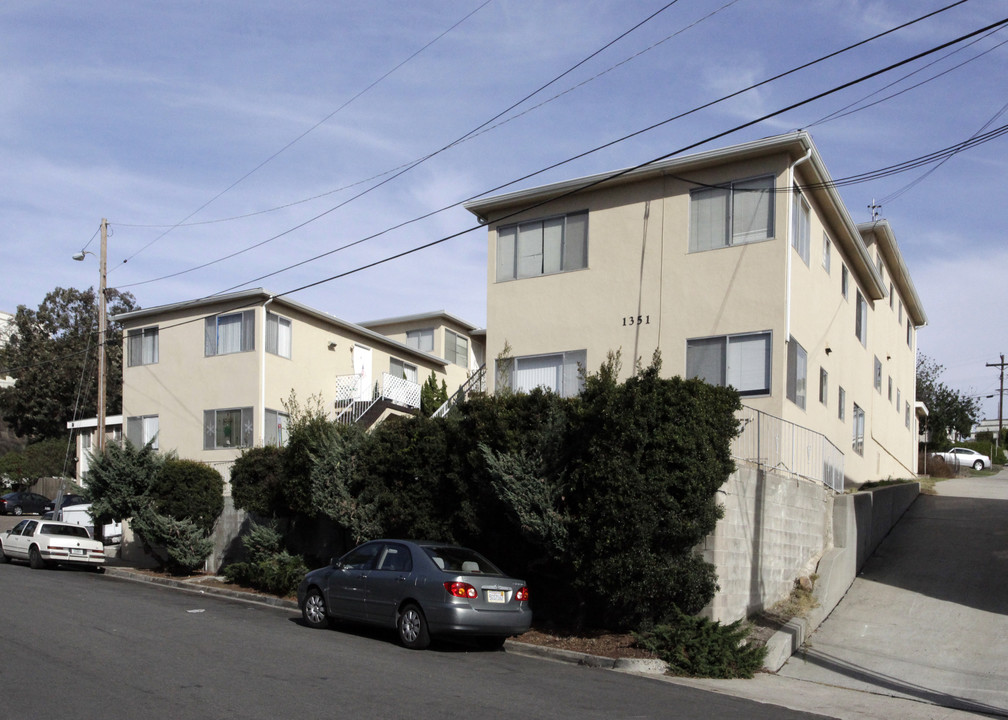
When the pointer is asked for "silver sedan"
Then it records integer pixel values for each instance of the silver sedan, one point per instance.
(421, 589)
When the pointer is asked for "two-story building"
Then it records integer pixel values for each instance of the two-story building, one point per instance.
(209, 377)
(741, 265)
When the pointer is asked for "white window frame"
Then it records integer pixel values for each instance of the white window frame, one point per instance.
(421, 339)
(229, 333)
(545, 246)
(277, 429)
(559, 372)
(731, 360)
(143, 346)
(877, 375)
(842, 405)
(279, 332)
(858, 430)
(400, 369)
(861, 319)
(718, 214)
(844, 282)
(823, 386)
(456, 348)
(801, 226)
(143, 429)
(797, 373)
(827, 253)
(211, 421)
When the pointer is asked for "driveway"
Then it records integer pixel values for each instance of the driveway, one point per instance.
(928, 617)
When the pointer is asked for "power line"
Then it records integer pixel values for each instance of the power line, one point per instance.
(306, 132)
(404, 169)
(620, 173)
(533, 174)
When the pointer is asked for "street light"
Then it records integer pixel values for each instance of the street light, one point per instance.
(102, 322)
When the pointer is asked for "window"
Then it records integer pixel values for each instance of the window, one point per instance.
(542, 247)
(227, 428)
(906, 415)
(558, 372)
(741, 361)
(734, 214)
(224, 334)
(892, 297)
(842, 405)
(890, 388)
(900, 316)
(878, 374)
(800, 226)
(278, 335)
(827, 251)
(857, 443)
(142, 429)
(456, 348)
(861, 320)
(277, 428)
(844, 282)
(899, 399)
(422, 340)
(823, 386)
(142, 346)
(404, 370)
(797, 373)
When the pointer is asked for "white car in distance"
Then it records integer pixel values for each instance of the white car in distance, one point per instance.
(45, 543)
(964, 457)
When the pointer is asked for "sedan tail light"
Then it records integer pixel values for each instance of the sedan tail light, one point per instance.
(461, 589)
(522, 595)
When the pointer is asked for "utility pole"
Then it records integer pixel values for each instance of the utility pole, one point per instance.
(102, 326)
(1000, 365)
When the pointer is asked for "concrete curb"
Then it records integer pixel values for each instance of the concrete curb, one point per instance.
(195, 586)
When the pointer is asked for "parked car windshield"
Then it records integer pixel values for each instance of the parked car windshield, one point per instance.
(461, 560)
(69, 530)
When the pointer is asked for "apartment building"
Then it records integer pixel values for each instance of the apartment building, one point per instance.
(209, 377)
(741, 265)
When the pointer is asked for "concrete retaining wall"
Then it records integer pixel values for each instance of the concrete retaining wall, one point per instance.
(774, 530)
(860, 523)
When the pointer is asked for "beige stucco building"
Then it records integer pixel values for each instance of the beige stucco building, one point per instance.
(209, 377)
(741, 266)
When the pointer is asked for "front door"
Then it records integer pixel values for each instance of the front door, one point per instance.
(362, 369)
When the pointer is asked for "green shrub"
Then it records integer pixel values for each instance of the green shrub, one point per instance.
(189, 490)
(699, 647)
(180, 545)
(269, 568)
(257, 482)
(119, 477)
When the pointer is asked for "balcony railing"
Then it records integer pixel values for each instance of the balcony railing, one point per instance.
(354, 397)
(782, 446)
(476, 383)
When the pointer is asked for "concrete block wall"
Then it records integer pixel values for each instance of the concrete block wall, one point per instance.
(775, 529)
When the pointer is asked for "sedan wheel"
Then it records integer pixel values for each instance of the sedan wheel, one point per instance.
(35, 558)
(413, 628)
(978, 465)
(314, 609)
(18, 510)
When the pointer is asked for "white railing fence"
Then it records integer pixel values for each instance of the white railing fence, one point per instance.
(353, 400)
(776, 444)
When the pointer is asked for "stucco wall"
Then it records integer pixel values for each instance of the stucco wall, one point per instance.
(774, 530)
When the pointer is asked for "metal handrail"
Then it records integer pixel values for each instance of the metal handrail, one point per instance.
(476, 383)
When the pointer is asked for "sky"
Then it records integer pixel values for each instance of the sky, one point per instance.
(289, 144)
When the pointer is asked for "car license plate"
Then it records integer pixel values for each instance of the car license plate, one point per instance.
(495, 596)
(78, 551)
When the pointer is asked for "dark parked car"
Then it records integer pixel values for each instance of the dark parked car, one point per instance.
(20, 502)
(419, 588)
(70, 499)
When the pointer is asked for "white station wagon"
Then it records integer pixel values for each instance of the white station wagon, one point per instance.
(45, 543)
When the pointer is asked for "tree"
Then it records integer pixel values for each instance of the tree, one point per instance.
(47, 458)
(948, 410)
(51, 352)
(431, 396)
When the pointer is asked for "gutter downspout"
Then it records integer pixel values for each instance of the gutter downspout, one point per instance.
(261, 421)
(790, 241)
